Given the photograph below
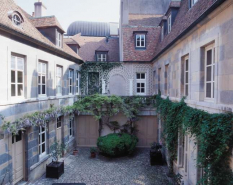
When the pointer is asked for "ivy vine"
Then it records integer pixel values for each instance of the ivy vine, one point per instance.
(213, 134)
(103, 68)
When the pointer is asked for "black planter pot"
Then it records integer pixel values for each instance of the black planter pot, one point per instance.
(54, 169)
(156, 157)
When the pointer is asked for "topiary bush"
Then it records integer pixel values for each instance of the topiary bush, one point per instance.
(116, 145)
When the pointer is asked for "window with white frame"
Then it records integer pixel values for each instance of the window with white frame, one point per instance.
(71, 128)
(186, 76)
(166, 75)
(209, 71)
(17, 76)
(141, 83)
(71, 77)
(169, 23)
(42, 70)
(59, 40)
(101, 57)
(162, 32)
(140, 40)
(192, 2)
(59, 80)
(77, 82)
(42, 141)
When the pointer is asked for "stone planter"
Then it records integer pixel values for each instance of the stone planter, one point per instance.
(156, 157)
(54, 169)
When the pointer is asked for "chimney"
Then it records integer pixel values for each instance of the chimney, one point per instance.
(40, 9)
(33, 14)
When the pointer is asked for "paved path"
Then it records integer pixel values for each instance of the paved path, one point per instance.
(134, 170)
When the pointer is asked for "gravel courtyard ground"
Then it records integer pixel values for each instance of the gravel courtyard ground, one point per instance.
(133, 170)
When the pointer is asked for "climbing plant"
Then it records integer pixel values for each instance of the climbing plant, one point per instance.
(213, 134)
(91, 68)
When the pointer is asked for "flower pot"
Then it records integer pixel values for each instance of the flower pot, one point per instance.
(156, 157)
(75, 152)
(93, 155)
(54, 169)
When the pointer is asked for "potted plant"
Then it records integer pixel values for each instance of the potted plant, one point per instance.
(55, 169)
(156, 157)
(93, 152)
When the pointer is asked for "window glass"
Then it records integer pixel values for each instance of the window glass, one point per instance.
(42, 78)
(42, 141)
(140, 83)
(140, 40)
(59, 80)
(59, 122)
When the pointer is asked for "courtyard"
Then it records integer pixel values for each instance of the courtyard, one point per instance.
(130, 170)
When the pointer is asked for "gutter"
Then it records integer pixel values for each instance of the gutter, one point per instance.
(197, 21)
(42, 44)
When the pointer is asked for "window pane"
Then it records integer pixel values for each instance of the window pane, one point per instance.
(43, 148)
(187, 65)
(43, 89)
(13, 76)
(143, 43)
(186, 78)
(142, 90)
(138, 90)
(43, 68)
(186, 90)
(43, 79)
(12, 90)
(208, 75)
(209, 57)
(138, 76)
(213, 72)
(142, 75)
(20, 90)
(138, 84)
(43, 137)
(142, 85)
(208, 90)
(39, 81)
(20, 77)
(12, 62)
(20, 63)
(213, 90)
(39, 89)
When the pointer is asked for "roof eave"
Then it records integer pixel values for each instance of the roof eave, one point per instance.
(201, 18)
(33, 40)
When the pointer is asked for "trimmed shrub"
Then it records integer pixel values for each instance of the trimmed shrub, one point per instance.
(116, 145)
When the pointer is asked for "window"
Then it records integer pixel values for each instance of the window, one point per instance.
(71, 75)
(17, 76)
(59, 80)
(101, 57)
(192, 2)
(169, 23)
(166, 75)
(141, 83)
(162, 32)
(186, 153)
(71, 128)
(59, 40)
(59, 122)
(186, 76)
(181, 149)
(17, 137)
(209, 72)
(159, 80)
(140, 41)
(77, 82)
(42, 141)
(42, 68)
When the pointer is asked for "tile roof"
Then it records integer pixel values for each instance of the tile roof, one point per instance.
(102, 48)
(185, 18)
(144, 20)
(28, 31)
(48, 21)
(90, 44)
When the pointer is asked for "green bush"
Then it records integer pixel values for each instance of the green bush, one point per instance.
(116, 145)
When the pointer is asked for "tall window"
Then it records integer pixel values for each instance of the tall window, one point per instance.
(59, 39)
(101, 57)
(42, 141)
(71, 128)
(159, 80)
(77, 82)
(59, 80)
(192, 2)
(166, 80)
(42, 68)
(162, 32)
(59, 122)
(169, 23)
(17, 76)
(140, 41)
(186, 153)
(186, 76)
(71, 76)
(141, 83)
(209, 71)
(181, 149)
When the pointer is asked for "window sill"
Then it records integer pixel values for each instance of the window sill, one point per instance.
(41, 160)
(142, 49)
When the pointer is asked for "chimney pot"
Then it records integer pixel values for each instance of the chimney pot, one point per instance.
(40, 9)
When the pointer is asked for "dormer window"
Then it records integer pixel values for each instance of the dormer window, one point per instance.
(59, 39)
(192, 3)
(101, 56)
(169, 23)
(16, 18)
(140, 41)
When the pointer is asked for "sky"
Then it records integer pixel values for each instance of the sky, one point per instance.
(68, 11)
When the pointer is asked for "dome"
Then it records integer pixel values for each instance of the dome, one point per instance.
(97, 29)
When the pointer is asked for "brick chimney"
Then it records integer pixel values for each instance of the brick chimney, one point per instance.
(40, 9)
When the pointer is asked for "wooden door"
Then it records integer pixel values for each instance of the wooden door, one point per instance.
(147, 130)
(17, 157)
(87, 131)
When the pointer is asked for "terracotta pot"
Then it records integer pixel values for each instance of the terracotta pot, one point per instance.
(75, 152)
(93, 155)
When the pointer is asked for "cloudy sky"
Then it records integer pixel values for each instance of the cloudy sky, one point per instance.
(68, 11)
